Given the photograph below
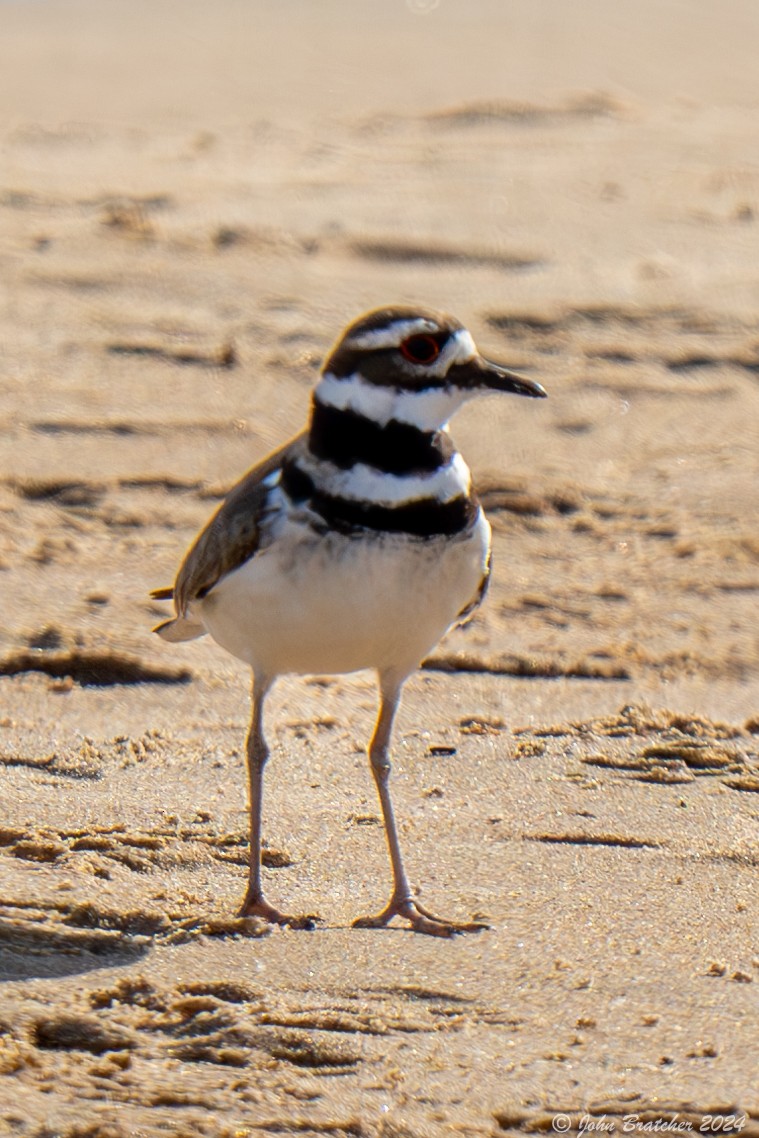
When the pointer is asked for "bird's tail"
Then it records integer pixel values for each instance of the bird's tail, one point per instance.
(179, 629)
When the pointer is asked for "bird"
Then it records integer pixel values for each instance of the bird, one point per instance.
(355, 545)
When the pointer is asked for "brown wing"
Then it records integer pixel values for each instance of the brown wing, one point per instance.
(468, 611)
(232, 535)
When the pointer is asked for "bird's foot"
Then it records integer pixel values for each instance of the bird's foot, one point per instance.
(421, 920)
(256, 906)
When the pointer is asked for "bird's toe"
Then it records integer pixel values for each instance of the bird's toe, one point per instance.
(258, 907)
(420, 919)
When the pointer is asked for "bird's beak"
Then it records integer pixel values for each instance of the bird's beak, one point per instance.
(479, 372)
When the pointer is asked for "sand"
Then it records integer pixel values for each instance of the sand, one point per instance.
(194, 199)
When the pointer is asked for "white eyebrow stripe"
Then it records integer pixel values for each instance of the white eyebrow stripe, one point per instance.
(392, 334)
(466, 347)
(459, 349)
(364, 483)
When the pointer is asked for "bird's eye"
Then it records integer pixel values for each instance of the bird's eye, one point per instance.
(420, 349)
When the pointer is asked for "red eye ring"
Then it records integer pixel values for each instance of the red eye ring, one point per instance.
(420, 349)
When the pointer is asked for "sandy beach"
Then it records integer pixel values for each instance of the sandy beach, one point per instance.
(194, 200)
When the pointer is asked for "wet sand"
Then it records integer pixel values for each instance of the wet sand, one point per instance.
(194, 200)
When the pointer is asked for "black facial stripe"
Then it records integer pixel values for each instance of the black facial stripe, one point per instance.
(386, 367)
(345, 438)
(426, 517)
(470, 374)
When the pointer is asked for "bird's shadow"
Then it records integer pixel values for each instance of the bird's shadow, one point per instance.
(27, 954)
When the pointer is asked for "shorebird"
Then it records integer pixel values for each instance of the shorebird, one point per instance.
(356, 545)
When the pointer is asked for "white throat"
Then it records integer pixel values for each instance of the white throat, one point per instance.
(429, 410)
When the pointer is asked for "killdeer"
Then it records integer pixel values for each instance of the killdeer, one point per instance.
(355, 545)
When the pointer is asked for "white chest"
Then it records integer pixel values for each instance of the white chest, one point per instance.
(331, 603)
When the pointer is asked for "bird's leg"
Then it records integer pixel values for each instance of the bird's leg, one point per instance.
(401, 904)
(257, 752)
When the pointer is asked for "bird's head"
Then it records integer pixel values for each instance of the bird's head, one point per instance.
(413, 366)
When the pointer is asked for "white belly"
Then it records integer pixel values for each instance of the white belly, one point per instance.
(311, 603)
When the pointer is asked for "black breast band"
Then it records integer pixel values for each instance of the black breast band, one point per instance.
(424, 517)
(346, 438)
